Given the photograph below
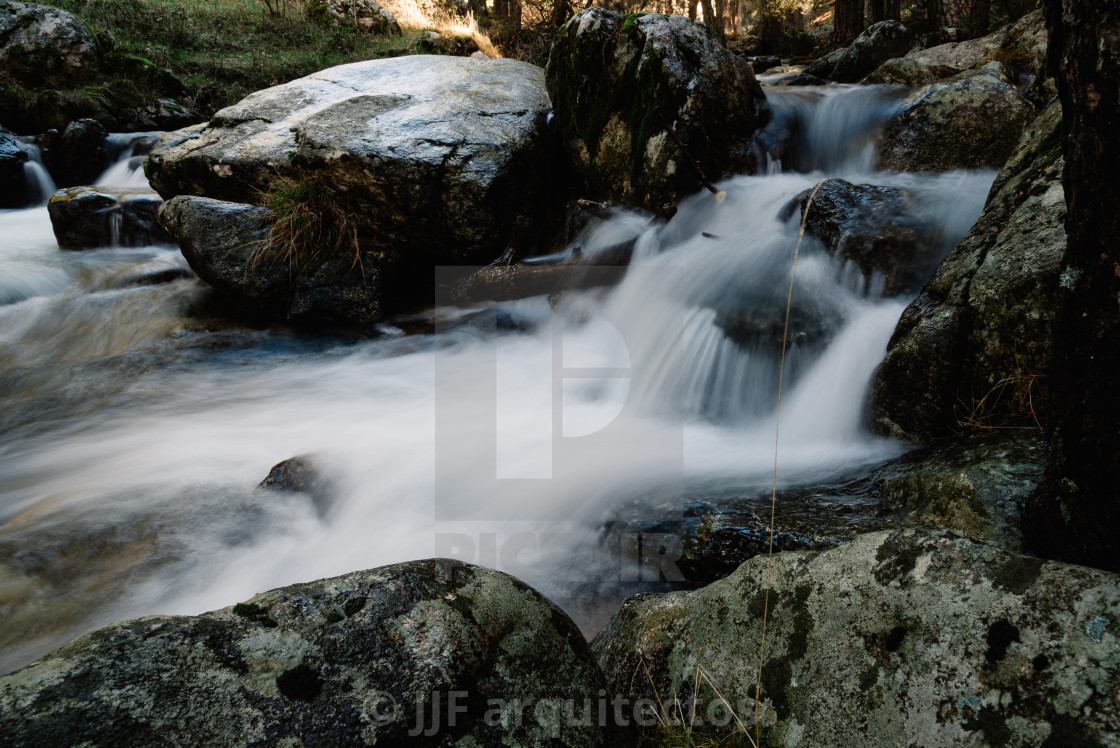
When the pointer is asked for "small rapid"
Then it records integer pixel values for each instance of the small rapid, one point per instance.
(136, 425)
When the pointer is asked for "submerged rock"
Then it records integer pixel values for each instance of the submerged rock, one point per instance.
(618, 82)
(229, 246)
(40, 44)
(873, 228)
(970, 121)
(970, 351)
(909, 637)
(435, 156)
(351, 660)
(91, 217)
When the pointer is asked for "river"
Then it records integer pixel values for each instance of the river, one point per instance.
(136, 423)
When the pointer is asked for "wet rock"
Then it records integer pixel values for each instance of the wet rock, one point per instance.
(873, 228)
(911, 637)
(879, 43)
(343, 661)
(91, 217)
(13, 184)
(971, 350)
(228, 245)
(822, 67)
(367, 15)
(970, 121)
(906, 71)
(301, 475)
(612, 78)
(763, 63)
(80, 156)
(799, 79)
(975, 486)
(435, 156)
(44, 45)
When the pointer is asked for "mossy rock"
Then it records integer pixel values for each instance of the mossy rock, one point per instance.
(618, 82)
(342, 661)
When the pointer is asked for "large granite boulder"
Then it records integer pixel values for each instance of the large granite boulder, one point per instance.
(40, 44)
(877, 44)
(906, 71)
(1020, 45)
(961, 56)
(620, 83)
(231, 246)
(911, 637)
(874, 228)
(91, 217)
(435, 155)
(969, 121)
(970, 349)
(344, 661)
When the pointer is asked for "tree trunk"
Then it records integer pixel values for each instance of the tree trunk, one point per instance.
(876, 11)
(709, 13)
(515, 14)
(848, 19)
(770, 28)
(1074, 514)
(935, 13)
(501, 9)
(892, 10)
(561, 12)
(979, 18)
(692, 9)
(736, 18)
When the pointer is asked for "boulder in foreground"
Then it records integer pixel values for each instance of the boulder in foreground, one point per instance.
(342, 661)
(910, 637)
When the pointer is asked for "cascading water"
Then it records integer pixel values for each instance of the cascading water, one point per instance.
(134, 434)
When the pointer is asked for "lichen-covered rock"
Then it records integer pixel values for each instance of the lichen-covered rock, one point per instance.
(874, 228)
(13, 184)
(977, 338)
(225, 244)
(906, 71)
(618, 82)
(911, 637)
(91, 217)
(40, 44)
(970, 121)
(436, 155)
(960, 56)
(877, 44)
(343, 661)
(975, 486)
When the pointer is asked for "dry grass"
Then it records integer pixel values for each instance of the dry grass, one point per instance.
(312, 226)
(412, 15)
(1012, 403)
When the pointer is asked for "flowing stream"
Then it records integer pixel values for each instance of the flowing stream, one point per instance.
(135, 425)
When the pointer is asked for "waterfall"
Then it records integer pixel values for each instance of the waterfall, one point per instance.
(129, 428)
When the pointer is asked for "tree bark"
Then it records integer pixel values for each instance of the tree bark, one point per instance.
(561, 12)
(892, 10)
(848, 19)
(1074, 514)
(709, 13)
(692, 9)
(736, 18)
(979, 18)
(876, 11)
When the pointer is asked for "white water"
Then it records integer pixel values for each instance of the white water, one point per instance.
(125, 424)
